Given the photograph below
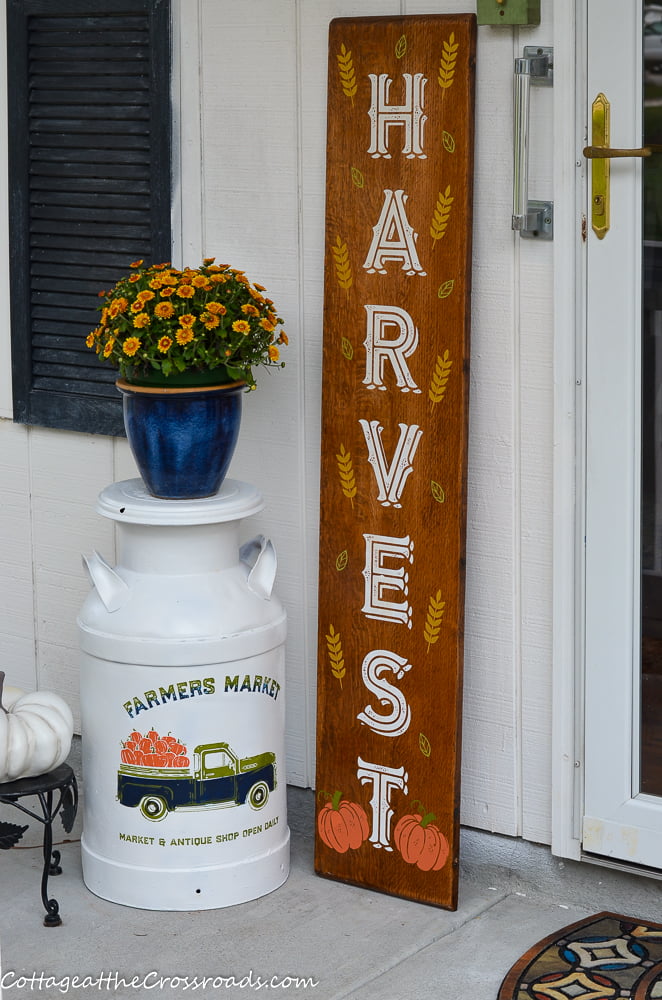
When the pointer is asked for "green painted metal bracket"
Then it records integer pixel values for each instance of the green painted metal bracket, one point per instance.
(508, 11)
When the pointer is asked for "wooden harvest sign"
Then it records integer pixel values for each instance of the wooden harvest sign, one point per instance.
(394, 444)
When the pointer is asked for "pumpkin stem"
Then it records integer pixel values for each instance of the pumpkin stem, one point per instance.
(335, 798)
(2, 684)
(427, 819)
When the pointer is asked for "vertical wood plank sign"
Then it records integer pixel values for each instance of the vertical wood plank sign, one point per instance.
(394, 445)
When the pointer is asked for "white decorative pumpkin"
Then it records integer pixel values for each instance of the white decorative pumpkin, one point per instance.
(35, 732)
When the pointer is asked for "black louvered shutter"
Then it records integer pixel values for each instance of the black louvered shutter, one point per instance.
(89, 175)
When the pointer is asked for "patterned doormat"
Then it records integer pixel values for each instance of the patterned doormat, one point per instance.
(606, 957)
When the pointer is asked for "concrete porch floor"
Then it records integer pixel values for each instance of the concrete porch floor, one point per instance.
(348, 941)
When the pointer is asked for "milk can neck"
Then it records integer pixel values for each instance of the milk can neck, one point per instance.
(178, 549)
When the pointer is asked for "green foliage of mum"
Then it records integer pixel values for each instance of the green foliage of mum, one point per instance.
(209, 319)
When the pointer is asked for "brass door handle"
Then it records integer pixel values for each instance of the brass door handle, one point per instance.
(607, 153)
(601, 153)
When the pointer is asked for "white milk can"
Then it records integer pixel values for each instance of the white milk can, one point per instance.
(182, 706)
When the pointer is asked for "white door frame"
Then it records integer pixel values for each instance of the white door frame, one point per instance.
(568, 522)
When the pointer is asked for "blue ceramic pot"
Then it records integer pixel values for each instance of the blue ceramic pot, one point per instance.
(182, 439)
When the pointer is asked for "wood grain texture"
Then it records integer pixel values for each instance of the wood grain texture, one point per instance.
(394, 445)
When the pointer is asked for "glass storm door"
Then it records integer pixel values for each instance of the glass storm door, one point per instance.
(623, 681)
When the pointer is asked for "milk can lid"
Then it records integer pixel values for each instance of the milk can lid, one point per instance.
(129, 502)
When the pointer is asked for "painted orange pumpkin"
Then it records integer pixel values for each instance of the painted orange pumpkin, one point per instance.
(342, 825)
(420, 842)
(128, 756)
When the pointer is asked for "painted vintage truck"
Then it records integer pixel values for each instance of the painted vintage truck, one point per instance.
(217, 776)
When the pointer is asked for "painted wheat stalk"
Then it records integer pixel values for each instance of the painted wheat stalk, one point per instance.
(342, 264)
(436, 609)
(447, 63)
(442, 213)
(346, 470)
(442, 371)
(334, 649)
(347, 74)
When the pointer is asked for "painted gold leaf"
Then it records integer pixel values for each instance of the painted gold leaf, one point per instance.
(440, 378)
(441, 214)
(436, 609)
(347, 349)
(357, 177)
(401, 47)
(334, 649)
(446, 288)
(342, 560)
(448, 141)
(447, 63)
(346, 471)
(347, 74)
(342, 264)
(424, 745)
(437, 492)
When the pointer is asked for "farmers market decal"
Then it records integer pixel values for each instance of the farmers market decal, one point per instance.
(394, 442)
(158, 774)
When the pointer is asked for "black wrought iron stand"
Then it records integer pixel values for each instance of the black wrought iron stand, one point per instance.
(63, 780)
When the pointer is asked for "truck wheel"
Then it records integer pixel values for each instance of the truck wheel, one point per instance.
(258, 795)
(153, 807)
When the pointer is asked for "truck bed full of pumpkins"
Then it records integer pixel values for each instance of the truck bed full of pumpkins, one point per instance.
(153, 750)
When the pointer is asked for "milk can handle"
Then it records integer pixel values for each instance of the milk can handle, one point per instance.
(259, 555)
(111, 588)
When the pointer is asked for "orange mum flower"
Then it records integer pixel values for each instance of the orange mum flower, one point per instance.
(168, 290)
(141, 321)
(186, 291)
(89, 340)
(250, 310)
(210, 322)
(188, 319)
(164, 310)
(184, 336)
(109, 347)
(241, 326)
(273, 353)
(216, 308)
(164, 344)
(130, 346)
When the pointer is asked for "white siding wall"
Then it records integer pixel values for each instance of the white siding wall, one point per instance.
(252, 194)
